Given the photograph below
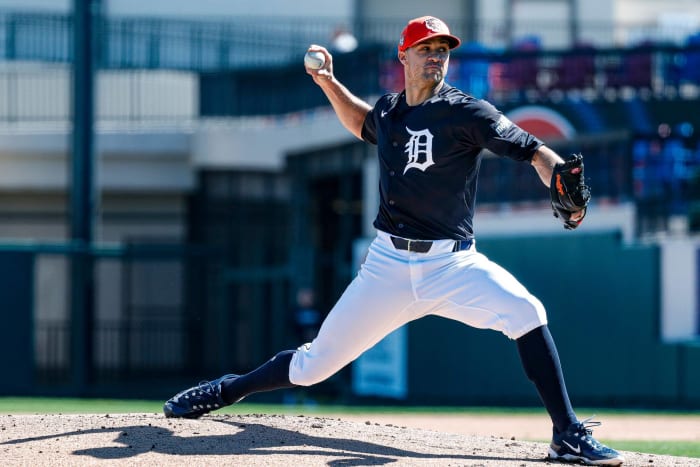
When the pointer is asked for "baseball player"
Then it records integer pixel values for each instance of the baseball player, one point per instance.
(424, 261)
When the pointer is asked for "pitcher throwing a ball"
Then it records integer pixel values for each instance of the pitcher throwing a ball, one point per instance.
(424, 261)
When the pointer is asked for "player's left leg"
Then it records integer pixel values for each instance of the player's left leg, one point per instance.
(377, 301)
(229, 389)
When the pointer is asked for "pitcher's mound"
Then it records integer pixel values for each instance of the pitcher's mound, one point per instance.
(258, 440)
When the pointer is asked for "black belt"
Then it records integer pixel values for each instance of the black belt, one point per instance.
(423, 246)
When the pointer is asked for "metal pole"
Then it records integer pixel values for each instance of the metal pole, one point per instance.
(509, 23)
(82, 199)
(574, 30)
(472, 21)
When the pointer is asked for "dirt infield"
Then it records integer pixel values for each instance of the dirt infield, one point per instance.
(538, 428)
(263, 440)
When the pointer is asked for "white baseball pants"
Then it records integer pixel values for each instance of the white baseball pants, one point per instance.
(396, 286)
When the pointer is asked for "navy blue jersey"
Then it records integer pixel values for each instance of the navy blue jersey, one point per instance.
(429, 158)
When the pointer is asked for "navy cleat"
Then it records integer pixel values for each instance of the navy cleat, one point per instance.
(196, 401)
(576, 444)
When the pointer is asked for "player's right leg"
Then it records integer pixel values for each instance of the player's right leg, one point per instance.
(485, 295)
(577, 444)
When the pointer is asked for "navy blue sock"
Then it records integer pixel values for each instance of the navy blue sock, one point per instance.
(273, 374)
(540, 360)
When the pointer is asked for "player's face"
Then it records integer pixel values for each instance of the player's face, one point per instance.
(427, 60)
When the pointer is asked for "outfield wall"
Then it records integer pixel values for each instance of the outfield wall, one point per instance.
(603, 300)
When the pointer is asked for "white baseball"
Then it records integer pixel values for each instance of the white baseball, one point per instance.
(314, 60)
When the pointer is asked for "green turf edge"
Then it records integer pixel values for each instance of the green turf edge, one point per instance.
(661, 448)
(666, 448)
(75, 405)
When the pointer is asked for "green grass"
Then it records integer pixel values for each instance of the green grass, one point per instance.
(28, 405)
(38, 405)
(667, 448)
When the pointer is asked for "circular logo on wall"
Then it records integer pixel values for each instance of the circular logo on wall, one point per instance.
(543, 122)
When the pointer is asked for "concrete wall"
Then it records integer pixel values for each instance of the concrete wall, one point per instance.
(448, 10)
(39, 94)
(680, 304)
(666, 21)
(602, 300)
(187, 9)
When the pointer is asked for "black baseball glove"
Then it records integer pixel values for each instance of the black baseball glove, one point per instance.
(569, 192)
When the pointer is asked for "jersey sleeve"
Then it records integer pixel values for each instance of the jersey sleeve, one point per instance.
(371, 124)
(369, 128)
(490, 129)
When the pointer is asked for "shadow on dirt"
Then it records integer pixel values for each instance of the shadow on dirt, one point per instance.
(252, 439)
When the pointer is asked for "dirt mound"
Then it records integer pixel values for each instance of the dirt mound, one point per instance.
(258, 440)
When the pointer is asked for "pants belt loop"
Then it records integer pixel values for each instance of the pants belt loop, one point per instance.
(462, 245)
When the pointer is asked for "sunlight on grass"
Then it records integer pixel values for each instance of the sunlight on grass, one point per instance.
(669, 448)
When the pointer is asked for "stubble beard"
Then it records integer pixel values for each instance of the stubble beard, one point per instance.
(434, 77)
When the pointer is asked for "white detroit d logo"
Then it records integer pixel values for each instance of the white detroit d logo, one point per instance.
(419, 148)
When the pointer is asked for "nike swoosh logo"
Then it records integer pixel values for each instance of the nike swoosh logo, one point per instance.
(383, 113)
(576, 449)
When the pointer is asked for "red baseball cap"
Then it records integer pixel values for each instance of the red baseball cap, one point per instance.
(423, 28)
